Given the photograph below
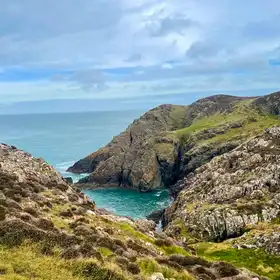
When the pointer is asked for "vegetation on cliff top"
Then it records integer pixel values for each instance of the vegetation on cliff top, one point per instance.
(243, 122)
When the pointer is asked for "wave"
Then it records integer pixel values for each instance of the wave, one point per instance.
(63, 166)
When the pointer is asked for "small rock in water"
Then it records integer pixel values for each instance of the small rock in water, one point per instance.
(69, 180)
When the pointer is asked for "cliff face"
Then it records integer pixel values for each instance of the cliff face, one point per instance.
(149, 153)
(240, 188)
(131, 159)
(169, 142)
(50, 230)
(233, 200)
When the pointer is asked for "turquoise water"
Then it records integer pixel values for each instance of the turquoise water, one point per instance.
(128, 202)
(62, 139)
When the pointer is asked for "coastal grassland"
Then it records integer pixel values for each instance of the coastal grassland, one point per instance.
(26, 262)
(256, 260)
(251, 122)
(149, 266)
(249, 129)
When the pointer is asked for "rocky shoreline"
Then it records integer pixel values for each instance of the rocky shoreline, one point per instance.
(220, 159)
(48, 225)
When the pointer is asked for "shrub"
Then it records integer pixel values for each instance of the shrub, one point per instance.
(225, 269)
(133, 268)
(150, 266)
(189, 260)
(3, 269)
(92, 271)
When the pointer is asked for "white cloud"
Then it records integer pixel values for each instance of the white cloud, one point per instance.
(118, 48)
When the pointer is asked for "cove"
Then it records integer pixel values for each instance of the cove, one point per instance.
(127, 202)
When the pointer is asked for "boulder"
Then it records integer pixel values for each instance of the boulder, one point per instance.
(145, 225)
(157, 276)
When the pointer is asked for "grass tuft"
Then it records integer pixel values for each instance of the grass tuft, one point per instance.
(150, 266)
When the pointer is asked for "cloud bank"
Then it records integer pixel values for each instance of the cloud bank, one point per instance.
(110, 49)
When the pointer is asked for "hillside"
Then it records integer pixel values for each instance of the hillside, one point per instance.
(51, 231)
(169, 142)
(234, 198)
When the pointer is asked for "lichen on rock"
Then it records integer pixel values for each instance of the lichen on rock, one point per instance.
(231, 192)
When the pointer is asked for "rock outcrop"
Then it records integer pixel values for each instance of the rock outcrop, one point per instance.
(145, 156)
(237, 189)
(132, 159)
(44, 219)
(169, 142)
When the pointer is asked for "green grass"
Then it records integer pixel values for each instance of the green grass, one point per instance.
(173, 250)
(178, 115)
(105, 252)
(249, 129)
(253, 123)
(130, 231)
(150, 266)
(257, 261)
(209, 122)
(26, 262)
(168, 250)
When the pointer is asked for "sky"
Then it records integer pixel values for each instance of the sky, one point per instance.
(121, 54)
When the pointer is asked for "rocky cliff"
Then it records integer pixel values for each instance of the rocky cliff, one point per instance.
(50, 230)
(240, 188)
(234, 198)
(169, 142)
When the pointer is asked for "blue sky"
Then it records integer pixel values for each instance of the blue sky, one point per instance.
(137, 52)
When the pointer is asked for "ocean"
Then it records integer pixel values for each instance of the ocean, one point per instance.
(62, 139)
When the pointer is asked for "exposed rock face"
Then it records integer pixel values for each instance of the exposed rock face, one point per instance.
(240, 188)
(269, 104)
(131, 159)
(38, 205)
(144, 156)
(169, 142)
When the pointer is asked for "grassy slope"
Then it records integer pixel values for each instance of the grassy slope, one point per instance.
(256, 260)
(30, 261)
(252, 123)
(26, 262)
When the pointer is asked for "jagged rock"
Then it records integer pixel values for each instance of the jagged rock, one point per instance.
(157, 150)
(156, 216)
(237, 189)
(2, 213)
(133, 268)
(144, 156)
